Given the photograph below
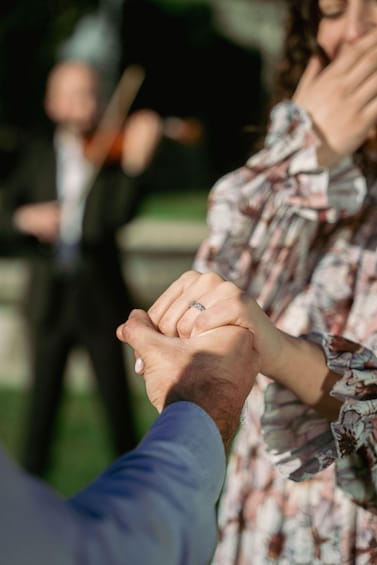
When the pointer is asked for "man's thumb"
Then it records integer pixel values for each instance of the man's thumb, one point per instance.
(139, 332)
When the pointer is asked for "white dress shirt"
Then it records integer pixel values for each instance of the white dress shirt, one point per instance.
(73, 172)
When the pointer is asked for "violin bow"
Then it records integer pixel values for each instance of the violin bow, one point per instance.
(114, 117)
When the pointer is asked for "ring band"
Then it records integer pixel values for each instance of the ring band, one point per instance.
(197, 305)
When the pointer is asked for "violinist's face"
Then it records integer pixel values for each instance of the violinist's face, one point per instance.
(343, 22)
(72, 97)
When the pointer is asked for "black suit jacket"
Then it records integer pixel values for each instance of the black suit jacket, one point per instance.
(97, 287)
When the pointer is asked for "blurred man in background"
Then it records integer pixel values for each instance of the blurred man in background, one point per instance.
(63, 209)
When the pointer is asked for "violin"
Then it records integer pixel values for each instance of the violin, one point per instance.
(108, 146)
(104, 147)
(105, 144)
(108, 143)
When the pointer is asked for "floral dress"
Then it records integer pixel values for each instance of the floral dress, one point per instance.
(303, 240)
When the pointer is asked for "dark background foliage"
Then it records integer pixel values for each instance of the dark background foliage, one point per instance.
(191, 68)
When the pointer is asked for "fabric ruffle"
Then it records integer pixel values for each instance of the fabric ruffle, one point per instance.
(301, 443)
(264, 217)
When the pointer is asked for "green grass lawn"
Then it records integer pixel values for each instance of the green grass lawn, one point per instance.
(82, 449)
(190, 205)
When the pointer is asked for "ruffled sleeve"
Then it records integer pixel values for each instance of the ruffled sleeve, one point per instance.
(267, 213)
(301, 443)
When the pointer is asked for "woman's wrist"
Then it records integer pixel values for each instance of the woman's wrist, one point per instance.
(302, 368)
(327, 158)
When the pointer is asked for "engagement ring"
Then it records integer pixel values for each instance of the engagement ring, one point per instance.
(198, 305)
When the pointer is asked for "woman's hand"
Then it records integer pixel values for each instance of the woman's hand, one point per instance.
(342, 99)
(225, 304)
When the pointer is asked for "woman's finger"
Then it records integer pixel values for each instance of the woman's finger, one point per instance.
(225, 294)
(310, 74)
(191, 302)
(171, 294)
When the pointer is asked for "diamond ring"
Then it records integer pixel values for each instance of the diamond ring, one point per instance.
(197, 305)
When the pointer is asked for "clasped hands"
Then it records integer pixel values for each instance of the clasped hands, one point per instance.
(210, 357)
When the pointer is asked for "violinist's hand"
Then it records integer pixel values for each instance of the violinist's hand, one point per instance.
(225, 304)
(342, 98)
(216, 370)
(41, 220)
(142, 134)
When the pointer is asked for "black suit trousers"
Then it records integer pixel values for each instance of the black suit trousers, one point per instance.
(50, 345)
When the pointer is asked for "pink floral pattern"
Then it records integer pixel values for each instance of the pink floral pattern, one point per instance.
(303, 241)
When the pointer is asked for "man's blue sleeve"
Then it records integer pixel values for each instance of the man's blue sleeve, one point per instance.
(153, 506)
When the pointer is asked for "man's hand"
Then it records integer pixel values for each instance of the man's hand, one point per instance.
(215, 370)
(40, 220)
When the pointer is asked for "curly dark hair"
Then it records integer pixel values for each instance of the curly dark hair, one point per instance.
(300, 43)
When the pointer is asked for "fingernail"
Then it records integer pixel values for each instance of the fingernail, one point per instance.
(139, 366)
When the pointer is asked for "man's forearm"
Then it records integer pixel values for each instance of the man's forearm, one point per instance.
(151, 506)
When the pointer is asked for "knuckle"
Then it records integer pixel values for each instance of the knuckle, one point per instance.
(212, 278)
(126, 331)
(189, 276)
(230, 288)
